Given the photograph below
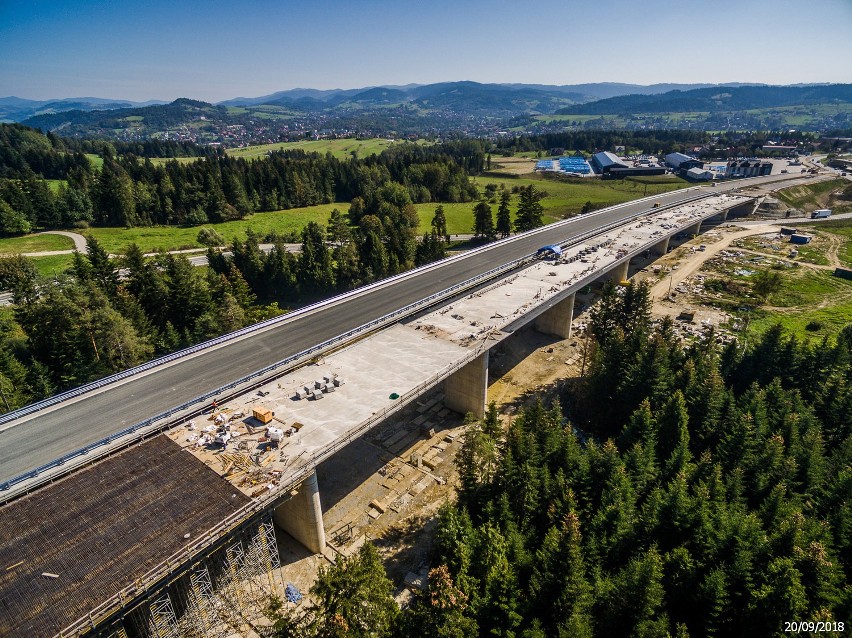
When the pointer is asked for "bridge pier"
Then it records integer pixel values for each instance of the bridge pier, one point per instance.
(619, 273)
(661, 247)
(723, 215)
(466, 390)
(694, 230)
(301, 515)
(557, 320)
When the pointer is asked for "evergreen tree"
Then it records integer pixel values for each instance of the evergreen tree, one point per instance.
(315, 269)
(439, 223)
(504, 218)
(483, 222)
(530, 210)
(353, 598)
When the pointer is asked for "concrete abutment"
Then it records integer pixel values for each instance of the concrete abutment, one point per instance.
(466, 390)
(301, 515)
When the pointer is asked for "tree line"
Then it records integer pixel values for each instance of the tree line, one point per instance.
(681, 490)
(653, 142)
(129, 190)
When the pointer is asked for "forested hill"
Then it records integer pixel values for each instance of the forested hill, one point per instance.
(716, 100)
(162, 116)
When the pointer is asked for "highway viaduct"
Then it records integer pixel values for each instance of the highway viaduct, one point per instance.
(300, 499)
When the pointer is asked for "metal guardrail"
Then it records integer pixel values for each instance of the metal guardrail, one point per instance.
(160, 421)
(255, 506)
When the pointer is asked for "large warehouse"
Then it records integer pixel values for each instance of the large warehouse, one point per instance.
(682, 163)
(605, 161)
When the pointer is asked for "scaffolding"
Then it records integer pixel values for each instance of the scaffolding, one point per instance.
(202, 619)
(223, 593)
(163, 622)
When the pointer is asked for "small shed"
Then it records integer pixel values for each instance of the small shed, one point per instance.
(800, 239)
(262, 414)
(843, 273)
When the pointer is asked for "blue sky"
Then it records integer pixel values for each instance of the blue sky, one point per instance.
(214, 50)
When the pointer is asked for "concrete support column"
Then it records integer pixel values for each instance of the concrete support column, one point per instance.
(723, 215)
(301, 516)
(694, 230)
(661, 248)
(619, 273)
(557, 320)
(466, 390)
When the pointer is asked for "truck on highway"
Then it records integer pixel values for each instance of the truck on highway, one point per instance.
(821, 214)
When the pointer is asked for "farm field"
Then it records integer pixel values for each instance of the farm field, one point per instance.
(341, 148)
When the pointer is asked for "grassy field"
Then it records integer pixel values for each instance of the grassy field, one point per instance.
(53, 265)
(153, 239)
(810, 305)
(567, 196)
(340, 149)
(54, 184)
(563, 198)
(35, 243)
(843, 228)
(96, 161)
(159, 161)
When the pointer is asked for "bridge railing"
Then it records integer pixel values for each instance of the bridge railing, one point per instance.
(162, 421)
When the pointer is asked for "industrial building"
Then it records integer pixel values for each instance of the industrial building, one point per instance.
(605, 161)
(748, 168)
(634, 171)
(611, 166)
(699, 175)
(682, 163)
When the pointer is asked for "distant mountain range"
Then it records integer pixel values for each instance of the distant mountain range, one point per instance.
(465, 107)
(716, 99)
(15, 109)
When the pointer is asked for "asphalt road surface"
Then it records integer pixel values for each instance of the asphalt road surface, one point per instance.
(46, 436)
